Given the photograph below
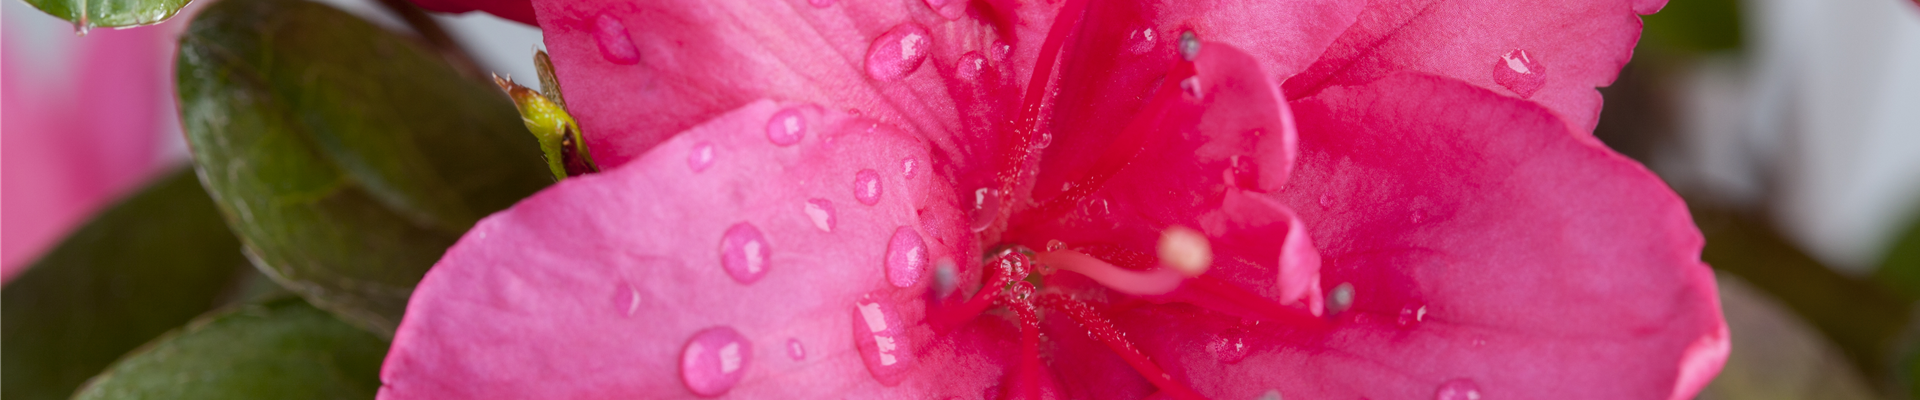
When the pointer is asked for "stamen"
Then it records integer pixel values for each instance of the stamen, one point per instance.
(1009, 266)
(1021, 145)
(1029, 346)
(1185, 250)
(1139, 283)
(1100, 328)
(1226, 297)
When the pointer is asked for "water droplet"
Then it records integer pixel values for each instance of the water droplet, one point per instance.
(820, 211)
(906, 257)
(909, 167)
(787, 127)
(970, 66)
(1418, 216)
(1230, 346)
(882, 340)
(1001, 50)
(1326, 200)
(614, 43)
(866, 187)
(986, 208)
(1520, 72)
(626, 299)
(1411, 316)
(1056, 245)
(1041, 142)
(1271, 394)
(1191, 87)
(1021, 290)
(1458, 389)
(795, 350)
(1189, 46)
(820, 3)
(744, 253)
(1140, 41)
(1340, 298)
(898, 52)
(700, 157)
(715, 360)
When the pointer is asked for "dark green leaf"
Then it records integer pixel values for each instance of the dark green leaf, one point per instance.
(283, 349)
(1695, 26)
(88, 14)
(1901, 269)
(346, 158)
(142, 267)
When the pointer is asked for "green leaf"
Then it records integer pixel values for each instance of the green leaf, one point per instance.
(1901, 268)
(88, 14)
(345, 157)
(283, 349)
(142, 267)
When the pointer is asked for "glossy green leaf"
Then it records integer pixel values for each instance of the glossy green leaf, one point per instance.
(144, 266)
(88, 14)
(282, 349)
(345, 157)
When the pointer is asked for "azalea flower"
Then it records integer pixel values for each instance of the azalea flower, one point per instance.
(1078, 200)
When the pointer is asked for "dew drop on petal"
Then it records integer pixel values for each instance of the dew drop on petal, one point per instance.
(1001, 50)
(906, 257)
(970, 67)
(1418, 216)
(744, 253)
(700, 157)
(898, 52)
(787, 127)
(820, 211)
(626, 299)
(614, 43)
(1326, 200)
(714, 360)
(1140, 41)
(909, 167)
(795, 350)
(1189, 46)
(1271, 394)
(882, 340)
(1457, 389)
(1022, 290)
(986, 208)
(1520, 72)
(1229, 346)
(1411, 316)
(866, 186)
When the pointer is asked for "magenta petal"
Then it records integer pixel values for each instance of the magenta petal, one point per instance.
(641, 281)
(1552, 52)
(637, 73)
(1488, 249)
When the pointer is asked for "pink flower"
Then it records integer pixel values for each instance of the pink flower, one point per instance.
(800, 196)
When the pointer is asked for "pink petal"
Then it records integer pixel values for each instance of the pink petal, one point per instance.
(1124, 49)
(695, 59)
(1552, 52)
(604, 284)
(1488, 250)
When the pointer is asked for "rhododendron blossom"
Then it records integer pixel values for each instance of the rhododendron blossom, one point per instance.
(1078, 199)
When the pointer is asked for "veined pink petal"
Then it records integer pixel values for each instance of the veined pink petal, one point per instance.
(1551, 52)
(599, 286)
(1486, 249)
